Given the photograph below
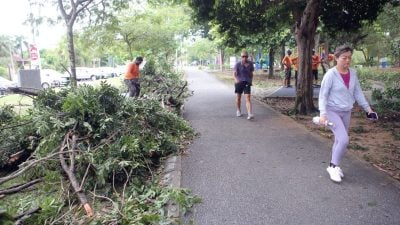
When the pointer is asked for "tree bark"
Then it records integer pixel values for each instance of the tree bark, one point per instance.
(271, 63)
(305, 37)
(221, 59)
(71, 53)
(69, 170)
(282, 56)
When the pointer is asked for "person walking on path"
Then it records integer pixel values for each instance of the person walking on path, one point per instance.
(132, 77)
(316, 60)
(340, 88)
(287, 65)
(243, 75)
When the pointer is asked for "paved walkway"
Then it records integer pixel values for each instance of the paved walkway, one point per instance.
(283, 92)
(272, 170)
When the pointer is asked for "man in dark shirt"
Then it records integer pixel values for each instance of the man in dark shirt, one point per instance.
(243, 74)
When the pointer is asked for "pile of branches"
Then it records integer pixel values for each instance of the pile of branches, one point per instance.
(89, 154)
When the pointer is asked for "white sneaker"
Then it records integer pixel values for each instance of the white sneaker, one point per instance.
(250, 116)
(340, 171)
(238, 113)
(334, 174)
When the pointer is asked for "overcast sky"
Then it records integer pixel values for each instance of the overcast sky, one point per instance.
(12, 15)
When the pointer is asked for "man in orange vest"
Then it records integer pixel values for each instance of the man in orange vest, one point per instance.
(132, 77)
(316, 60)
(287, 64)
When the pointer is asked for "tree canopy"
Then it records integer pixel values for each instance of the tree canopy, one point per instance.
(250, 17)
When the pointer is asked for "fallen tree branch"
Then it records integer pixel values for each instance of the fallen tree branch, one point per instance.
(15, 125)
(25, 215)
(31, 164)
(182, 90)
(19, 187)
(69, 170)
(26, 91)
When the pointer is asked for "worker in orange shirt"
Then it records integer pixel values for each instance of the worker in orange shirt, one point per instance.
(316, 60)
(295, 62)
(132, 77)
(287, 65)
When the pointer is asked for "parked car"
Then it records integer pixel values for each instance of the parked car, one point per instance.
(120, 70)
(108, 72)
(85, 73)
(5, 84)
(52, 78)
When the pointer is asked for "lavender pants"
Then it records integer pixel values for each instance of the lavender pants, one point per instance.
(340, 128)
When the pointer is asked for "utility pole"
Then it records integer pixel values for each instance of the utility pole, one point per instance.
(11, 70)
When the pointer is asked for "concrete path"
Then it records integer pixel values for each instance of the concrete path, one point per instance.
(271, 170)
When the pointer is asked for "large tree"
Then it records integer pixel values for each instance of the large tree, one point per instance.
(86, 11)
(71, 10)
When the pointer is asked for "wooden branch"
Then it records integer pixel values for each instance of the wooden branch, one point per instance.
(128, 177)
(25, 215)
(16, 125)
(85, 175)
(31, 164)
(182, 90)
(19, 187)
(72, 178)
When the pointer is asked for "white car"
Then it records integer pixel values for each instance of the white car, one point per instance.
(52, 78)
(5, 84)
(107, 72)
(85, 73)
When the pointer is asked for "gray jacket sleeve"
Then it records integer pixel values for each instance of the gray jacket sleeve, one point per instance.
(324, 91)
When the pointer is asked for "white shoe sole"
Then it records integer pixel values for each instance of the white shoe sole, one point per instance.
(332, 179)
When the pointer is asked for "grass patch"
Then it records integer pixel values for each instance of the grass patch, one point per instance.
(358, 147)
(358, 129)
(15, 99)
(23, 102)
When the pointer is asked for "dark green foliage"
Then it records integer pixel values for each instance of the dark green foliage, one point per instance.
(349, 15)
(388, 101)
(16, 134)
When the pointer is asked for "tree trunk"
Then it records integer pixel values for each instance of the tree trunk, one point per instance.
(282, 55)
(305, 34)
(325, 63)
(221, 59)
(271, 63)
(71, 52)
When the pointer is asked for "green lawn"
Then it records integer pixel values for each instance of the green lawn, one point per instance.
(25, 101)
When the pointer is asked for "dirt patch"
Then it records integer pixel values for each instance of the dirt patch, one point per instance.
(375, 142)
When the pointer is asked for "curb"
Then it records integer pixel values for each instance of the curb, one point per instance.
(172, 178)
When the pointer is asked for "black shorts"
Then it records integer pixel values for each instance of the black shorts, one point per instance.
(243, 86)
(288, 73)
(315, 74)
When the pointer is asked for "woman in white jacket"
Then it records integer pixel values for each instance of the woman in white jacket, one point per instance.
(340, 88)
